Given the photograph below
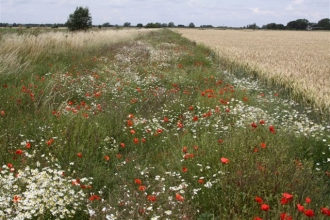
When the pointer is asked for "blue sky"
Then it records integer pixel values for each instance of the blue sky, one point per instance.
(236, 13)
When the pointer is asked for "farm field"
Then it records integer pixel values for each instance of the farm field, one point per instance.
(298, 60)
(141, 124)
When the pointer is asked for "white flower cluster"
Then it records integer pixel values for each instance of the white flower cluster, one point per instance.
(32, 193)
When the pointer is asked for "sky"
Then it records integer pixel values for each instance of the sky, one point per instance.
(233, 13)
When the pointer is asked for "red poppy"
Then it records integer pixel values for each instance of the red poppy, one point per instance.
(122, 145)
(325, 211)
(142, 188)
(138, 181)
(309, 213)
(50, 141)
(18, 152)
(262, 122)
(196, 148)
(129, 123)
(284, 216)
(272, 129)
(94, 197)
(224, 160)
(263, 145)
(136, 140)
(28, 145)
(184, 149)
(257, 218)
(151, 198)
(143, 140)
(264, 207)
(220, 141)
(179, 197)
(166, 119)
(2, 113)
(16, 198)
(308, 200)
(258, 200)
(184, 169)
(300, 208)
(201, 181)
(119, 156)
(107, 158)
(195, 118)
(80, 155)
(132, 131)
(254, 125)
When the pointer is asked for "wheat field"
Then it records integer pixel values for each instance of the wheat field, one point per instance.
(298, 60)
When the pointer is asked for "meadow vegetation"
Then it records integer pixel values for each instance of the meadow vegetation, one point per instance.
(145, 125)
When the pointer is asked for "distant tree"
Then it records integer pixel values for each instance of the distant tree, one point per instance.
(139, 25)
(279, 27)
(191, 25)
(80, 19)
(299, 24)
(164, 25)
(106, 24)
(171, 24)
(158, 24)
(152, 25)
(206, 26)
(252, 26)
(14, 25)
(271, 26)
(181, 25)
(127, 24)
(54, 26)
(324, 23)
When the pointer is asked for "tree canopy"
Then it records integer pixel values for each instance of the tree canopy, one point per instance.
(79, 20)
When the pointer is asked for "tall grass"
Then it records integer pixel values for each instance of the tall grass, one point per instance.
(150, 128)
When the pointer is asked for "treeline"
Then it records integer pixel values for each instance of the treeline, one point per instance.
(299, 24)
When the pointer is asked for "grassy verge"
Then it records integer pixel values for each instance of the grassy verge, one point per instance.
(150, 128)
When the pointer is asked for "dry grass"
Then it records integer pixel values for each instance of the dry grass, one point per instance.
(19, 50)
(295, 59)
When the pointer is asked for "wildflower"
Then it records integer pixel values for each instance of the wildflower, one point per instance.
(136, 140)
(28, 145)
(224, 160)
(308, 200)
(166, 119)
(50, 141)
(132, 131)
(284, 216)
(142, 188)
(201, 181)
(16, 198)
(80, 155)
(309, 213)
(107, 158)
(184, 149)
(272, 129)
(258, 200)
(94, 197)
(300, 208)
(262, 122)
(263, 145)
(195, 118)
(122, 145)
(18, 152)
(2, 113)
(168, 212)
(151, 198)
(129, 123)
(179, 197)
(138, 181)
(325, 211)
(184, 169)
(254, 125)
(220, 141)
(286, 198)
(257, 218)
(264, 207)
(119, 156)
